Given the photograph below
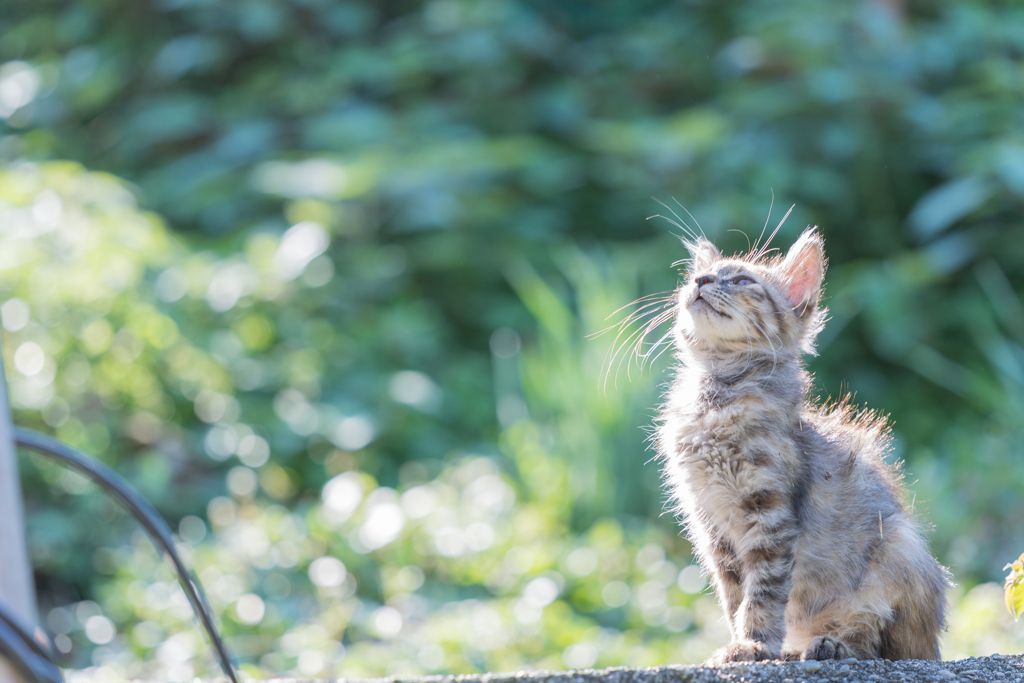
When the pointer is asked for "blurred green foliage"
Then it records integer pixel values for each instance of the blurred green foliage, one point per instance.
(354, 325)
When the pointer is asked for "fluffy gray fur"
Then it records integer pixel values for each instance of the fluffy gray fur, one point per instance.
(789, 506)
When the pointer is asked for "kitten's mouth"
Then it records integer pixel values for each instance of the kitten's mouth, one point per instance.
(701, 303)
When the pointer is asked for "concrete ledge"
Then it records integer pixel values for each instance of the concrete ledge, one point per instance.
(994, 669)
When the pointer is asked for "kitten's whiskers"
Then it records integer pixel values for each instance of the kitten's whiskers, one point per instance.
(760, 253)
(756, 242)
(657, 309)
(690, 215)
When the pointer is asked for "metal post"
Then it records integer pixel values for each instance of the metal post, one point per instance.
(17, 589)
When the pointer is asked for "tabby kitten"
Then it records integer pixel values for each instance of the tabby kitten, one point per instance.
(790, 506)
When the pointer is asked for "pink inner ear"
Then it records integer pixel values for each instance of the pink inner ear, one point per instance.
(804, 278)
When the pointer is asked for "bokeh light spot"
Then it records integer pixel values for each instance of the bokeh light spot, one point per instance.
(327, 572)
(387, 622)
(29, 359)
(99, 629)
(341, 496)
(241, 481)
(692, 580)
(15, 314)
(615, 593)
(250, 609)
(353, 433)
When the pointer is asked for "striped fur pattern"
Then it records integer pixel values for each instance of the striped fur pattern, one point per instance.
(790, 507)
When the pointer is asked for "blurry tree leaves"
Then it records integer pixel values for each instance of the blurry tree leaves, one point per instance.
(369, 240)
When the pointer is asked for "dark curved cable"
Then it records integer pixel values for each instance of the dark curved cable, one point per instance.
(28, 655)
(33, 636)
(140, 508)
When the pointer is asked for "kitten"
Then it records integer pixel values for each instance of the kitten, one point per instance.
(789, 506)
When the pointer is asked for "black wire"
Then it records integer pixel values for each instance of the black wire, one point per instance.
(26, 653)
(33, 636)
(140, 508)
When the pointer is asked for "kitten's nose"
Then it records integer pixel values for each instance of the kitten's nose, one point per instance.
(704, 279)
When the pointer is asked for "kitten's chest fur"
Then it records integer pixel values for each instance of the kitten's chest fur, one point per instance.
(732, 451)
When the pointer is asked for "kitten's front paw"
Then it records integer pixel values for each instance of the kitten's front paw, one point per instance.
(824, 647)
(742, 651)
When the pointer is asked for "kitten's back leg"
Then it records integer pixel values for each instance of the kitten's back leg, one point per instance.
(915, 592)
(896, 611)
(904, 640)
(919, 609)
(914, 630)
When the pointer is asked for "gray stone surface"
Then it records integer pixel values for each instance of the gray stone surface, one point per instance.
(994, 669)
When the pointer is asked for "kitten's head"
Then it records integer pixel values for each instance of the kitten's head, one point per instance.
(750, 303)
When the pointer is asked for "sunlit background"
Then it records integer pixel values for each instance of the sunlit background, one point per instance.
(318, 277)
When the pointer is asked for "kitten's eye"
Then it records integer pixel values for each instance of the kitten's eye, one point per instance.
(742, 280)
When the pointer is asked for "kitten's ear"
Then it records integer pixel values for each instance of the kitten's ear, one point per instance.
(702, 254)
(803, 271)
